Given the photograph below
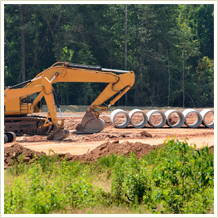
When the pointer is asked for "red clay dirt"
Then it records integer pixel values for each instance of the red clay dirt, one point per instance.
(130, 139)
(12, 153)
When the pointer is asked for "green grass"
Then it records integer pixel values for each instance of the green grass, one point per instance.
(176, 179)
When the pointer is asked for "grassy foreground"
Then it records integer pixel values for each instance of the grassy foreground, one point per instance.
(176, 179)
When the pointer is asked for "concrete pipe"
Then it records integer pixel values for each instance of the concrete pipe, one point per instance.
(140, 123)
(197, 123)
(205, 119)
(151, 120)
(174, 118)
(120, 122)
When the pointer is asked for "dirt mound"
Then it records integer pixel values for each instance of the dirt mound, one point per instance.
(12, 153)
(116, 148)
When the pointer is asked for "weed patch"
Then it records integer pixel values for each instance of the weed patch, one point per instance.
(175, 179)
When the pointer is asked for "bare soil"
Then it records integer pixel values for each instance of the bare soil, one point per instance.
(91, 146)
(14, 152)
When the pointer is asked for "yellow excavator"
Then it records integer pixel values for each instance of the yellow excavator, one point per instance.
(20, 116)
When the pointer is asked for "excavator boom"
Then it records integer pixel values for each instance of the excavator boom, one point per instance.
(118, 85)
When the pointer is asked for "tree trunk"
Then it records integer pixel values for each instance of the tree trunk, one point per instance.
(67, 95)
(52, 34)
(61, 95)
(169, 79)
(136, 94)
(153, 94)
(183, 76)
(198, 92)
(22, 44)
(126, 96)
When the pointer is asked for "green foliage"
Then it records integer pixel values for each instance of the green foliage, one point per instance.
(205, 79)
(107, 162)
(151, 157)
(46, 163)
(180, 175)
(13, 198)
(52, 187)
(18, 167)
(43, 196)
(161, 39)
(130, 179)
(176, 179)
(66, 54)
(83, 193)
(117, 183)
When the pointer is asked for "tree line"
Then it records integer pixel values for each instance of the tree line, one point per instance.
(170, 47)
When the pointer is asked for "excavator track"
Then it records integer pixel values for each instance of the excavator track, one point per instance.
(26, 125)
(9, 137)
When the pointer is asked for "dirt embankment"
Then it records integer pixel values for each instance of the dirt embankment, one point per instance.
(125, 148)
(12, 153)
(15, 151)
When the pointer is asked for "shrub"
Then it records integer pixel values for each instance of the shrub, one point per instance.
(130, 179)
(82, 193)
(14, 198)
(18, 166)
(180, 175)
(107, 162)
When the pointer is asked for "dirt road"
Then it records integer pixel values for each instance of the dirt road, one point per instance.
(81, 144)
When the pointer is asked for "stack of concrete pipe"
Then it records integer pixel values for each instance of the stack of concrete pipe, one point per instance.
(165, 118)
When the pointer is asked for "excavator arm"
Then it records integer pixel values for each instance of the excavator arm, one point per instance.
(117, 86)
(67, 72)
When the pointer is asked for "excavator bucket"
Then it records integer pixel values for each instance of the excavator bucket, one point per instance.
(90, 124)
(58, 134)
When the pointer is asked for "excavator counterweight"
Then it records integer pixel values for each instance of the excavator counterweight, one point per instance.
(19, 112)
